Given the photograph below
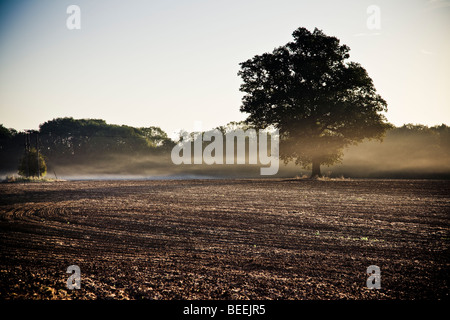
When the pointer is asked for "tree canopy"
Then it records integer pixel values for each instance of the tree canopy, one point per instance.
(81, 137)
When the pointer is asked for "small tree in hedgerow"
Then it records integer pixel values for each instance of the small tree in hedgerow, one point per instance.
(28, 166)
(319, 102)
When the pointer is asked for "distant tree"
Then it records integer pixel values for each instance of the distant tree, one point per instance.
(444, 136)
(69, 138)
(28, 166)
(433, 141)
(154, 135)
(5, 137)
(319, 102)
(6, 133)
(11, 148)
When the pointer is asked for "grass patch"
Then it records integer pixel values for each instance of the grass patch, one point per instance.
(326, 178)
(18, 179)
(322, 178)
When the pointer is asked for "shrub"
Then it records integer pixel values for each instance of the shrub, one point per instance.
(28, 166)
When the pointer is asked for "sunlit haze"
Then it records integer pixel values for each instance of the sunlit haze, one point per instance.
(174, 64)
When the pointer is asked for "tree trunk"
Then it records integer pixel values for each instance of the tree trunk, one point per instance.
(315, 169)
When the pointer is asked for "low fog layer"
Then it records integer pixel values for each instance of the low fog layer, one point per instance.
(406, 152)
(398, 156)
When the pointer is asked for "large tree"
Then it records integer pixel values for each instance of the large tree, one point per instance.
(319, 102)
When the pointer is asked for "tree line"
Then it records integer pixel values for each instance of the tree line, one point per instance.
(70, 141)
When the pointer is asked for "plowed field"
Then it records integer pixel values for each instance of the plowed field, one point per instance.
(225, 239)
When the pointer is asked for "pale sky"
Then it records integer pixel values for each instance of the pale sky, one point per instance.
(174, 63)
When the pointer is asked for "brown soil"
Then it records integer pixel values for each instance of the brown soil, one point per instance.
(225, 239)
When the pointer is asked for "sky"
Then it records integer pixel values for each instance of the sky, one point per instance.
(174, 64)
